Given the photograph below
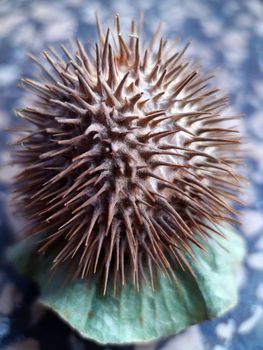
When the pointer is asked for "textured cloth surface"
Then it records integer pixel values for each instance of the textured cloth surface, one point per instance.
(226, 34)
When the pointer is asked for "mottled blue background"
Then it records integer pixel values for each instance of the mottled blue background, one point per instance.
(225, 34)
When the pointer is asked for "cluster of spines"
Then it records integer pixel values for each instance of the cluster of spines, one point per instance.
(129, 161)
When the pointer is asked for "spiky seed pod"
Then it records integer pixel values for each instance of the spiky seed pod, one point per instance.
(129, 161)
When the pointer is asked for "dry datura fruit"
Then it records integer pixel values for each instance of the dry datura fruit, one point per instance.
(130, 162)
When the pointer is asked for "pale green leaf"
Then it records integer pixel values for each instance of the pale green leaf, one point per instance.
(133, 316)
